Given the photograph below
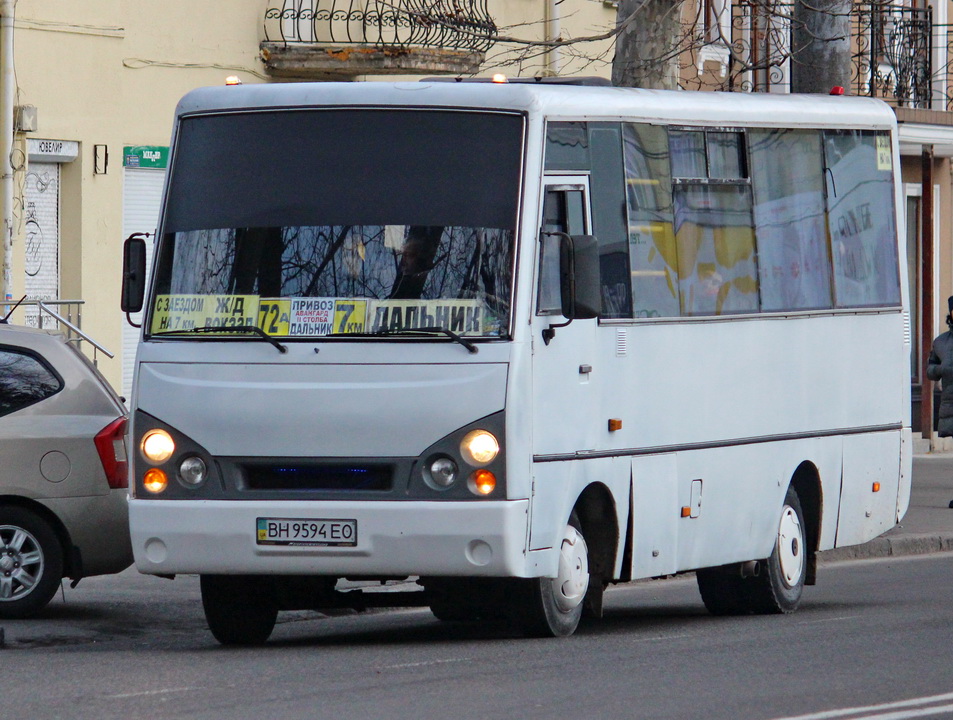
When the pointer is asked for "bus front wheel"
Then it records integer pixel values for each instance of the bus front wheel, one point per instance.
(773, 585)
(552, 607)
(239, 609)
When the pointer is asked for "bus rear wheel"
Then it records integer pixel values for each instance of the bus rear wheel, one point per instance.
(782, 578)
(239, 609)
(772, 585)
(552, 607)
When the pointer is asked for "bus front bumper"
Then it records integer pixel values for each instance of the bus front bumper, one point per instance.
(465, 539)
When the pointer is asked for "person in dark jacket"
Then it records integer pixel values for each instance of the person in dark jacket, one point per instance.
(940, 368)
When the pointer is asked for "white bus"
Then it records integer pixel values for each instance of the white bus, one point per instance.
(517, 342)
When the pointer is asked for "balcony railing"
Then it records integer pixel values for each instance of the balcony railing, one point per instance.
(893, 57)
(312, 37)
(898, 53)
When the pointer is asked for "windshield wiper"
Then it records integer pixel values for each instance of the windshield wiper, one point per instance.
(237, 328)
(414, 331)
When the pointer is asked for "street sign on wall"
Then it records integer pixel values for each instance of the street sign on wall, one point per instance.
(145, 156)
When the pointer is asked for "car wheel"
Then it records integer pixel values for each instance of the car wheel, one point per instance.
(31, 562)
(239, 609)
(552, 607)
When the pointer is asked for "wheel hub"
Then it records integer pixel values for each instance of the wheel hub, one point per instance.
(21, 563)
(790, 546)
(572, 581)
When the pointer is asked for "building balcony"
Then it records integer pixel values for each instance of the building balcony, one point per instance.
(341, 39)
(898, 53)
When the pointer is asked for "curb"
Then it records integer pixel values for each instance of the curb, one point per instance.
(887, 546)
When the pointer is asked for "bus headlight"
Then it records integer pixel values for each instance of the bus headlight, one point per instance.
(479, 447)
(192, 471)
(157, 446)
(440, 473)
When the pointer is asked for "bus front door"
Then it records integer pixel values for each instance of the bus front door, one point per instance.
(565, 371)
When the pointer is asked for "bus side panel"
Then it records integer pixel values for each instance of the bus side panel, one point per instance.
(655, 515)
(869, 494)
(557, 487)
(734, 496)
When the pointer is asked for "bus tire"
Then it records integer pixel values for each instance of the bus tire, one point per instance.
(777, 584)
(780, 583)
(552, 607)
(722, 590)
(31, 563)
(239, 609)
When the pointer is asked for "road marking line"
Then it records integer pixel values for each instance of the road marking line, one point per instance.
(884, 707)
(903, 714)
(424, 663)
(825, 620)
(123, 696)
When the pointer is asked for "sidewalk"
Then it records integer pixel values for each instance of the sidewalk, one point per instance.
(928, 525)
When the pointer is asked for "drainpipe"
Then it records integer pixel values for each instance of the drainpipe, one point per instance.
(7, 95)
(553, 59)
(926, 290)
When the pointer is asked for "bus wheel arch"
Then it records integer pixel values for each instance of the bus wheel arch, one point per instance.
(806, 482)
(599, 524)
(774, 584)
(553, 607)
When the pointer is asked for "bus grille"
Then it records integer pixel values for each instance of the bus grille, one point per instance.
(317, 477)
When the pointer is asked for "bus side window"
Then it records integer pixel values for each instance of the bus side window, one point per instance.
(652, 256)
(860, 214)
(607, 196)
(714, 231)
(563, 211)
(793, 250)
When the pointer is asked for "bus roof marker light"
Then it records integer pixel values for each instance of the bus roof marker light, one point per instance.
(837, 90)
(500, 78)
(233, 80)
(876, 487)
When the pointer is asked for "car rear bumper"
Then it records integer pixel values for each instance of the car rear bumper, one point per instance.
(99, 526)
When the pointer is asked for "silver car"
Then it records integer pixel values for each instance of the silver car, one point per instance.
(63, 470)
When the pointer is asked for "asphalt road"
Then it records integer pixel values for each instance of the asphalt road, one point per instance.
(871, 633)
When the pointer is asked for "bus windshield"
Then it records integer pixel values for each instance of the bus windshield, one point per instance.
(321, 222)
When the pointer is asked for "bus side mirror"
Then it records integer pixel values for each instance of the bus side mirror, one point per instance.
(133, 273)
(579, 279)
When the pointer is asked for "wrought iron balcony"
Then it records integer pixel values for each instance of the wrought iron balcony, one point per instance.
(898, 54)
(324, 39)
(894, 56)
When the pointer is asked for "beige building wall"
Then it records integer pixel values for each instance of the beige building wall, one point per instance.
(110, 72)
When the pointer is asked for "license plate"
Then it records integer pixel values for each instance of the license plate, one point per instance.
(307, 531)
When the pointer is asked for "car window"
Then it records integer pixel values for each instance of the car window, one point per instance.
(24, 379)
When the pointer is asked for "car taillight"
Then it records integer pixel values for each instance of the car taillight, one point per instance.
(111, 445)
